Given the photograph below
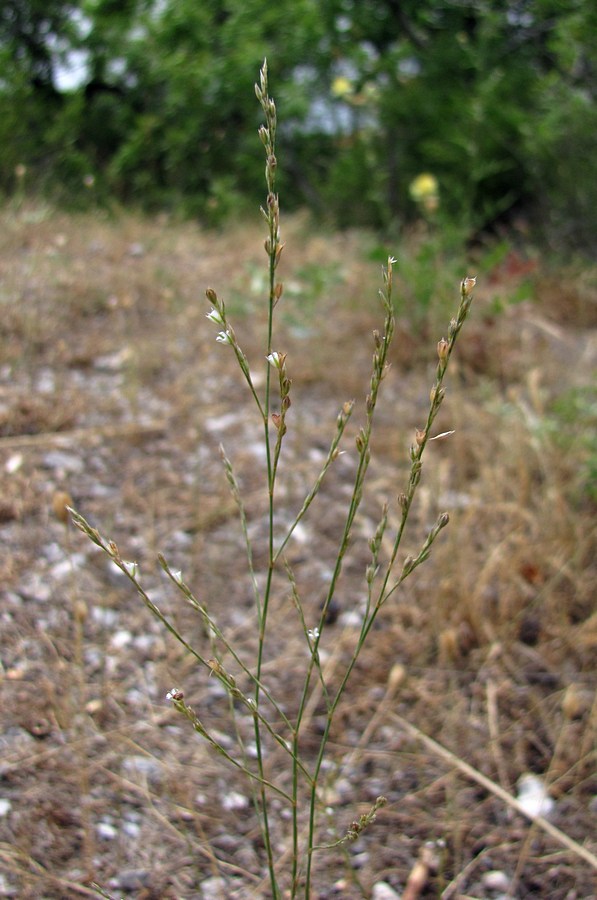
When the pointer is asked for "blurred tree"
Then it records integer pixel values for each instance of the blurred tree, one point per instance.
(187, 71)
(31, 47)
(481, 95)
(34, 34)
(455, 87)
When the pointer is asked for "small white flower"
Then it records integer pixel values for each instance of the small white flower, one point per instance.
(313, 634)
(224, 338)
(214, 316)
(174, 694)
(177, 576)
(131, 568)
(276, 359)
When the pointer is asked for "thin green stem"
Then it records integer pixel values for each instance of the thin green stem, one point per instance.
(273, 249)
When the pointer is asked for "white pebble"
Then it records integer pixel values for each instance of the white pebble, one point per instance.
(121, 639)
(213, 888)
(533, 796)
(383, 891)
(106, 831)
(234, 800)
(496, 881)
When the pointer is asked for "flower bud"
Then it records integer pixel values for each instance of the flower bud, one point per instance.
(371, 572)
(175, 694)
(408, 564)
(442, 349)
(113, 550)
(468, 285)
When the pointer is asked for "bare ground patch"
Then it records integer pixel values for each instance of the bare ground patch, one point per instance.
(112, 389)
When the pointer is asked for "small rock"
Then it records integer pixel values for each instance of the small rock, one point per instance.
(46, 382)
(144, 766)
(13, 463)
(145, 642)
(234, 800)
(36, 588)
(105, 616)
(113, 362)
(131, 880)
(106, 831)
(359, 860)
(533, 796)
(496, 881)
(121, 639)
(62, 462)
(383, 891)
(7, 890)
(216, 424)
(213, 888)
(65, 568)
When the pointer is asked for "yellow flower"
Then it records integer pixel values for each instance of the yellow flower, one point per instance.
(424, 189)
(341, 87)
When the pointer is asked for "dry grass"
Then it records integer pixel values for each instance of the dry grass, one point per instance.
(112, 389)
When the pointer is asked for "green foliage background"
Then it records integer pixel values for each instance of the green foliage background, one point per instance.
(495, 100)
